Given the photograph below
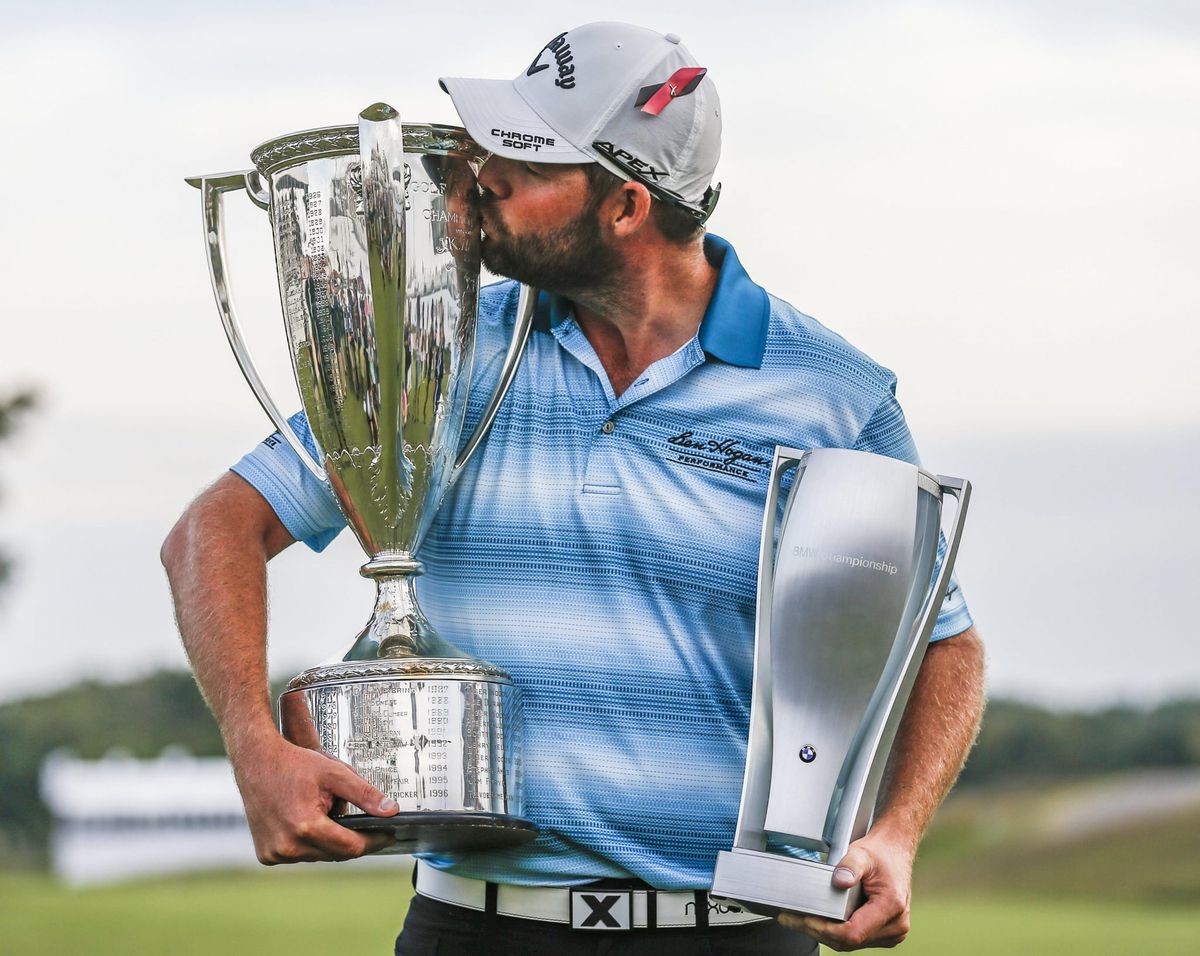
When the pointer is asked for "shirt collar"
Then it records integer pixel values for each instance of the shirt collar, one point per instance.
(734, 327)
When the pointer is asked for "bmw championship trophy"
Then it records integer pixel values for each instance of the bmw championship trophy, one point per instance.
(377, 245)
(847, 600)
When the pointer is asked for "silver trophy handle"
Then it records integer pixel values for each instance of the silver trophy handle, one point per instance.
(525, 308)
(960, 489)
(212, 195)
(757, 780)
(892, 696)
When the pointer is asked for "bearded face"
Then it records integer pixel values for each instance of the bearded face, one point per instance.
(569, 259)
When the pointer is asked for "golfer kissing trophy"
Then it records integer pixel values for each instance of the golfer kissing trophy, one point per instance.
(847, 599)
(377, 244)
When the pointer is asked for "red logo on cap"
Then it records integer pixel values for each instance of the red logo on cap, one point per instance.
(653, 99)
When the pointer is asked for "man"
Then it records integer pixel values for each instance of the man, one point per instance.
(602, 545)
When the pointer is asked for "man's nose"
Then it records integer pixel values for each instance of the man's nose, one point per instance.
(493, 177)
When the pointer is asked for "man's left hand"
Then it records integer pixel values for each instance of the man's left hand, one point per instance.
(884, 867)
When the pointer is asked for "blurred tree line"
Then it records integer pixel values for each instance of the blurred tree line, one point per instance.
(142, 717)
(12, 407)
(1019, 742)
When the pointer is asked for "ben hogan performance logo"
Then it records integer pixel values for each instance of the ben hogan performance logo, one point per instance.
(717, 455)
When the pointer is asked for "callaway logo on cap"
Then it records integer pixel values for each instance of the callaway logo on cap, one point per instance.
(633, 100)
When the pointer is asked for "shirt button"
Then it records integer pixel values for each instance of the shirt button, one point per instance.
(608, 427)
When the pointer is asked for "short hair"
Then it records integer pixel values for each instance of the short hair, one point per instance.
(676, 224)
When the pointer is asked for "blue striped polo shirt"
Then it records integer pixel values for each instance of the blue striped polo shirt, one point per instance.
(603, 550)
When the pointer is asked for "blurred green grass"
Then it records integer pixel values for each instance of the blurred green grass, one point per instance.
(1004, 871)
(320, 909)
(1002, 926)
(314, 908)
(1013, 844)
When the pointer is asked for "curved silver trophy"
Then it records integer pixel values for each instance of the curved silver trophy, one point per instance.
(847, 600)
(377, 246)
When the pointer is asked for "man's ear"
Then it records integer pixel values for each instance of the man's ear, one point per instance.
(627, 208)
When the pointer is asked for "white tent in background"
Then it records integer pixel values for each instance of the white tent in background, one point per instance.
(120, 817)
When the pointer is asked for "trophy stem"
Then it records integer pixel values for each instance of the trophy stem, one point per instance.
(398, 627)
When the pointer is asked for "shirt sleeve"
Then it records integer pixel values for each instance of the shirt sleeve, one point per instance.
(886, 433)
(304, 504)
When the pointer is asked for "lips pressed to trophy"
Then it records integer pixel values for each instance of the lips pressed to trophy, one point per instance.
(847, 601)
(377, 247)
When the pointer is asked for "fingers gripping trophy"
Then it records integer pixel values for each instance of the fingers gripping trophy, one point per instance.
(377, 247)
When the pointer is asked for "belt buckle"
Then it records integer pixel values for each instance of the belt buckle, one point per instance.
(601, 909)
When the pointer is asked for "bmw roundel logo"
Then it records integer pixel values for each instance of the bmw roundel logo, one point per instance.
(808, 754)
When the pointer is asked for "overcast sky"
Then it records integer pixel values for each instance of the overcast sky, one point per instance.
(999, 201)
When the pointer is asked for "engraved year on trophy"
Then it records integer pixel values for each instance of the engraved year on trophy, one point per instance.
(847, 600)
(377, 246)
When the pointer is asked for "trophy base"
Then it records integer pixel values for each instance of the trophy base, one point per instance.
(770, 884)
(437, 735)
(435, 831)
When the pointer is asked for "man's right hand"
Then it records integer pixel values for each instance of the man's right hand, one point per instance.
(288, 792)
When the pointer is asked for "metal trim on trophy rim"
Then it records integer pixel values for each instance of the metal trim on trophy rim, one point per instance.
(928, 482)
(925, 480)
(407, 668)
(283, 151)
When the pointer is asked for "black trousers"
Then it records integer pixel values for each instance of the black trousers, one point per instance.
(433, 928)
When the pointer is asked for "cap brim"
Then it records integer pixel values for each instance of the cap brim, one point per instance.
(499, 120)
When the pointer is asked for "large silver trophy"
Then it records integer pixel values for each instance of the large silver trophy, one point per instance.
(847, 600)
(377, 245)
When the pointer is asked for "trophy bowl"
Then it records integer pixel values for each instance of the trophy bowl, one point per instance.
(377, 249)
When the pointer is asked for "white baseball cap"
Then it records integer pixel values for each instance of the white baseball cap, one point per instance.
(633, 100)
